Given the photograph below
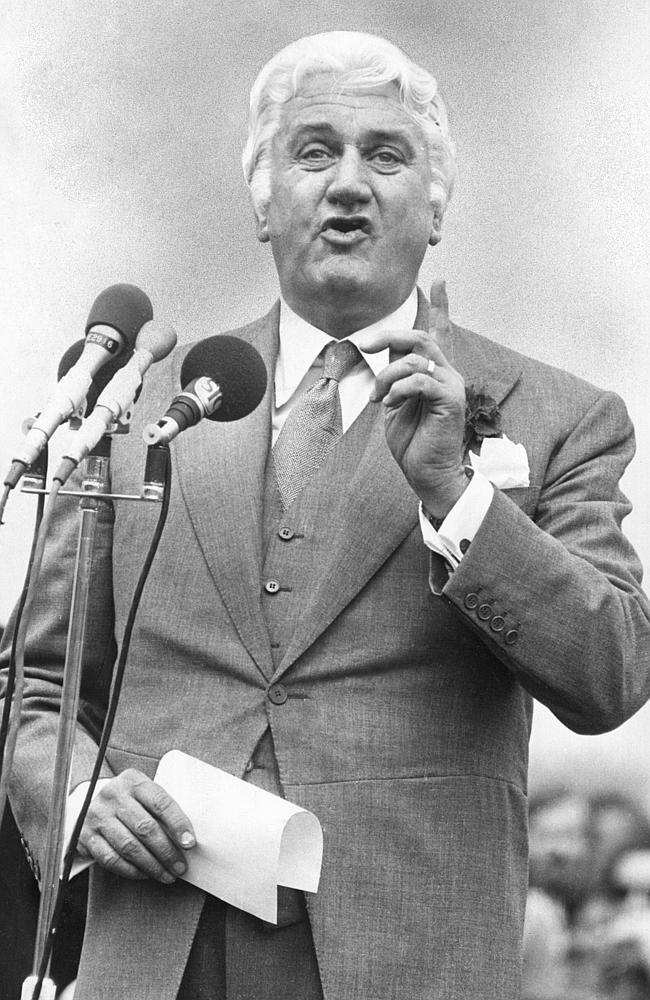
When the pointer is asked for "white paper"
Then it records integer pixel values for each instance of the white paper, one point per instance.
(248, 840)
(503, 462)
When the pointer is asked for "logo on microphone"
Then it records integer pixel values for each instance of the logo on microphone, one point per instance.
(109, 344)
(208, 393)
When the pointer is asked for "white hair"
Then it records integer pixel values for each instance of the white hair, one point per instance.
(359, 62)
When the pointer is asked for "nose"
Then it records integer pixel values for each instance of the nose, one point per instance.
(349, 184)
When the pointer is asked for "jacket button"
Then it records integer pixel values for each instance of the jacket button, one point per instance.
(271, 586)
(498, 623)
(471, 601)
(286, 534)
(484, 612)
(277, 694)
(511, 636)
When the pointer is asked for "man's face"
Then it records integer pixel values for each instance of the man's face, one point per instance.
(561, 860)
(350, 214)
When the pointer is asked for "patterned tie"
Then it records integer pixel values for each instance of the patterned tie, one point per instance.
(313, 425)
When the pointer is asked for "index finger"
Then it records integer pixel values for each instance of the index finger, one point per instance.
(439, 313)
(167, 811)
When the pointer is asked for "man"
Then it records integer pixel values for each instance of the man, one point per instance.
(358, 627)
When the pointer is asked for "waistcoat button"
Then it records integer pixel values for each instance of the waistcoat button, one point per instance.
(277, 694)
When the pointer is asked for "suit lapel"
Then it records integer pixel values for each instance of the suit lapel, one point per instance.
(378, 508)
(221, 476)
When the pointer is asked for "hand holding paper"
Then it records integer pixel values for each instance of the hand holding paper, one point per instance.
(248, 840)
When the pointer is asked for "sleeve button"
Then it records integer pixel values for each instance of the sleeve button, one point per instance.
(498, 623)
(471, 601)
(484, 612)
(511, 637)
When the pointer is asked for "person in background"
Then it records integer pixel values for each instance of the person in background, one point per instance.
(584, 927)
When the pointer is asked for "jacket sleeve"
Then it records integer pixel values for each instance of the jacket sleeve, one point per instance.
(559, 599)
(31, 779)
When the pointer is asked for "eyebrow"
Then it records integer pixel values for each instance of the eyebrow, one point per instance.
(372, 137)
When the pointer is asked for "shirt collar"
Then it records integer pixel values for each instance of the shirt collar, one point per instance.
(301, 343)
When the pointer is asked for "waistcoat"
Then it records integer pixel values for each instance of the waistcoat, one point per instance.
(296, 541)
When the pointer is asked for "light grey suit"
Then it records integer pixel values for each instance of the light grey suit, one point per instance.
(407, 719)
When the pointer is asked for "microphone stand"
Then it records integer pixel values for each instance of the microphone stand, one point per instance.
(94, 496)
(95, 482)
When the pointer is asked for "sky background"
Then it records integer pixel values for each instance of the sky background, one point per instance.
(121, 127)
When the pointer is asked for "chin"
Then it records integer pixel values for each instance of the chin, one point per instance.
(346, 277)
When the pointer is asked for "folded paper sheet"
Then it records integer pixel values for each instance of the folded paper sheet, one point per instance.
(248, 840)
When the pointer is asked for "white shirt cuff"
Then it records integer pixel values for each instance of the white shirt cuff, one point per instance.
(73, 808)
(456, 532)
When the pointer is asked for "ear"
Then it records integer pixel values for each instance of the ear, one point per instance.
(262, 227)
(436, 226)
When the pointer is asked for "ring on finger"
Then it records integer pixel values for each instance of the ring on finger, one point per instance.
(431, 367)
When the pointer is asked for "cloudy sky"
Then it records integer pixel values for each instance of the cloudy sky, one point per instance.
(122, 125)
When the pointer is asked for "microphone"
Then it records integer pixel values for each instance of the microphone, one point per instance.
(115, 318)
(224, 379)
(100, 379)
(153, 343)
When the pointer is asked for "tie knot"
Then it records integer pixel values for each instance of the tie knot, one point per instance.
(340, 357)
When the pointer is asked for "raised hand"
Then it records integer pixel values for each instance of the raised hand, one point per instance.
(424, 406)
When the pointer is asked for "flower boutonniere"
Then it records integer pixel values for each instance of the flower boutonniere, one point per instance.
(482, 417)
(503, 462)
(488, 449)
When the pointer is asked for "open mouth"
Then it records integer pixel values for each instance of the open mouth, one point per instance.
(345, 230)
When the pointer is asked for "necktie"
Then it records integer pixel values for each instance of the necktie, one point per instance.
(313, 425)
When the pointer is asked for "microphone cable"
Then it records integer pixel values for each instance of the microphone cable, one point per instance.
(111, 711)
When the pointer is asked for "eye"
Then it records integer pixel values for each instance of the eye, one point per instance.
(386, 158)
(315, 154)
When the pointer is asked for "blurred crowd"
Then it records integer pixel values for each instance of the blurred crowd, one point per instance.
(587, 930)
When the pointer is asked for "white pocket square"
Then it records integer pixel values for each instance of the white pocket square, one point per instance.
(503, 462)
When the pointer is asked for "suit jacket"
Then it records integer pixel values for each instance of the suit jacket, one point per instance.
(408, 713)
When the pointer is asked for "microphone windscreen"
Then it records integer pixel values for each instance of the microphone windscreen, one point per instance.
(236, 366)
(157, 338)
(123, 307)
(101, 378)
